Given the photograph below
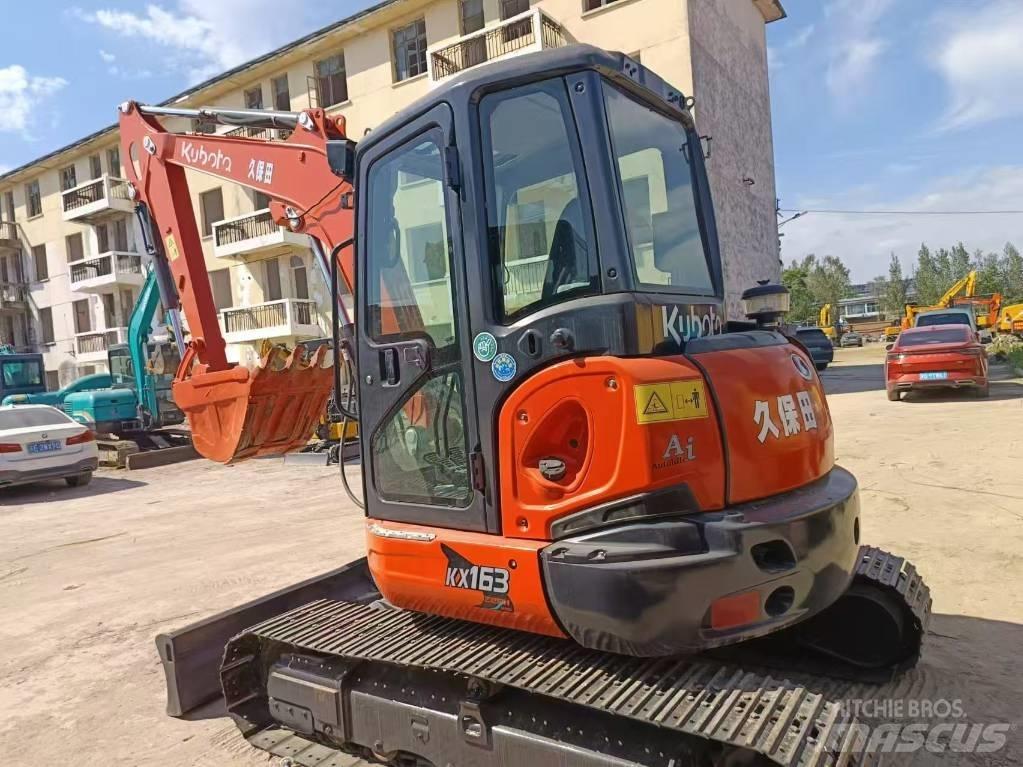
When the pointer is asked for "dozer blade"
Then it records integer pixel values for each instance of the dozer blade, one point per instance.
(273, 409)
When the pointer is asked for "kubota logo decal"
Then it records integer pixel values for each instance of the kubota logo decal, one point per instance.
(198, 155)
(492, 582)
(680, 326)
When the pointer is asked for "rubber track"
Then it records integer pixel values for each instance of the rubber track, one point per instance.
(803, 725)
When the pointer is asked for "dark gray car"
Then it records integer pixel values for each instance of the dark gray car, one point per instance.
(819, 345)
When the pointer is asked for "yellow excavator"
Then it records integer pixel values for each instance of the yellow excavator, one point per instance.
(1010, 320)
(962, 293)
(826, 322)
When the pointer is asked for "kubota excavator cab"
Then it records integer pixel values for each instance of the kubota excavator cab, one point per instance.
(562, 434)
(543, 355)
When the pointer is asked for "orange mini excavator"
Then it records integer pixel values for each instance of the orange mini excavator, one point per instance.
(596, 509)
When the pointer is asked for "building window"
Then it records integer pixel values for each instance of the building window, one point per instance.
(220, 281)
(531, 229)
(68, 180)
(331, 81)
(121, 234)
(409, 48)
(260, 200)
(8, 213)
(39, 260)
(519, 29)
(83, 320)
(46, 324)
(212, 205)
(254, 98)
(75, 247)
(299, 277)
(114, 161)
(592, 5)
(471, 14)
(272, 280)
(282, 96)
(95, 167)
(102, 238)
(52, 380)
(33, 200)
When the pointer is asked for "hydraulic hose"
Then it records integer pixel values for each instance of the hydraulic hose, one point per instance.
(348, 415)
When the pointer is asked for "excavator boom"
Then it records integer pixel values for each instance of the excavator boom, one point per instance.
(235, 412)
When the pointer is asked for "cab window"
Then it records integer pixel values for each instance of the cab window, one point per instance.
(655, 155)
(540, 245)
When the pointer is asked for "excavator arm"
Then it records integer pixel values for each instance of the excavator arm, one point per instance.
(234, 412)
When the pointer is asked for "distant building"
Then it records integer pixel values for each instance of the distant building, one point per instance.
(71, 264)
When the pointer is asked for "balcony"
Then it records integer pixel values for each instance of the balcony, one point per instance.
(253, 233)
(91, 346)
(13, 296)
(266, 134)
(526, 32)
(9, 235)
(107, 272)
(96, 200)
(288, 317)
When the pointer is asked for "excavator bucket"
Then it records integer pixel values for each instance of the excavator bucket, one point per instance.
(272, 409)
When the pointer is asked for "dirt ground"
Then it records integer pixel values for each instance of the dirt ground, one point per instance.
(89, 576)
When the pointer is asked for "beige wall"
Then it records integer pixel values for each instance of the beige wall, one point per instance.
(714, 49)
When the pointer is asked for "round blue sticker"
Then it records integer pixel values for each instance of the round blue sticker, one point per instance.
(484, 347)
(503, 367)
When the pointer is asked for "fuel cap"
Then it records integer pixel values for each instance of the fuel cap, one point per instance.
(552, 468)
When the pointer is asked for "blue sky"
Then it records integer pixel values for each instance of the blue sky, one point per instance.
(906, 105)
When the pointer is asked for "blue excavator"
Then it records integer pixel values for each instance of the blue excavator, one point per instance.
(134, 397)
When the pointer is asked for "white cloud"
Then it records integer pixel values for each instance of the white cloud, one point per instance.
(856, 44)
(864, 241)
(107, 57)
(981, 60)
(201, 37)
(21, 97)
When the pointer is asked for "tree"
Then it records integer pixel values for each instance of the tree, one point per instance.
(1012, 274)
(929, 280)
(828, 283)
(895, 297)
(989, 272)
(794, 278)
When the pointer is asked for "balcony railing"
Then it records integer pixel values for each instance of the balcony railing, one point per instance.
(267, 134)
(94, 343)
(11, 294)
(243, 228)
(253, 233)
(530, 31)
(272, 314)
(106, 265)
(100, 196)
(8, 233)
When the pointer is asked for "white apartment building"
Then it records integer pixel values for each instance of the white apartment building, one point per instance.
(70, 259)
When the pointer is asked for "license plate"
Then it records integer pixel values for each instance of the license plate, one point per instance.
(47, 446)
(933, 376)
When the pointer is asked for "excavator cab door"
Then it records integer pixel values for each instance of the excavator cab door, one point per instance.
(417, 406)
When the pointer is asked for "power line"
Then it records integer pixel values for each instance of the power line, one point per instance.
(903, 212)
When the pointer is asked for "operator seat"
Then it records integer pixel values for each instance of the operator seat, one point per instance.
(568, 264)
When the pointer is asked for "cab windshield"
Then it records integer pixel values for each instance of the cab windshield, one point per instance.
(655, 155)
(19, 373)
(539, 221)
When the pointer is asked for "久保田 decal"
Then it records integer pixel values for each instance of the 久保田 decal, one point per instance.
(491, 582)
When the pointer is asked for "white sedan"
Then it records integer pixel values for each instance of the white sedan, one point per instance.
(40, 442)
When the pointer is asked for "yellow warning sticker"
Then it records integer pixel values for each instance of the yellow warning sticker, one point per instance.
(172, 248)
(670, 401)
